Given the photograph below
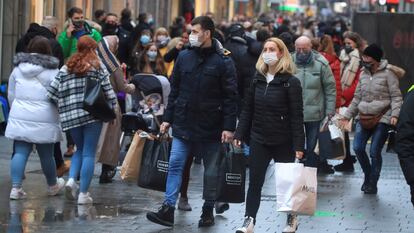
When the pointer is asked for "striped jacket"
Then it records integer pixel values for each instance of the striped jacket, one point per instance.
(67, 91)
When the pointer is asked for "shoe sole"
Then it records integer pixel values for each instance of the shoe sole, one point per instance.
(159, 221)
(223, 209)
(68, 193)
(184, 209)
(206, 225)
(291, 231)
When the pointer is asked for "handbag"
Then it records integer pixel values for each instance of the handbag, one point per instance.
(329, 146)
(95, 101)
(231, 188)
(370, 121)
(155, 163)
(296, 188)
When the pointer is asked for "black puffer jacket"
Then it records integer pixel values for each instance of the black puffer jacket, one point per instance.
(273, 113)
(202, 102)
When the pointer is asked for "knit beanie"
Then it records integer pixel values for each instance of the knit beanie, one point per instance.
(374, 51)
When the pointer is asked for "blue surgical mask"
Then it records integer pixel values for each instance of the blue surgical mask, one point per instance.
(152, 55)
(145, 39)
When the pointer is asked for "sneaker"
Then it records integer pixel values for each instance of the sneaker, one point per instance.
(55, 189)
(184, 205)
(71, 189)
(221, 207)
(63, 169)
(207, 217)
(292, 224)
(85, 199)
(248, 226)
(17, 194)
(344, 167)
(164, 216)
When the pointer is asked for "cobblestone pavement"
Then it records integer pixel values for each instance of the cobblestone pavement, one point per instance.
(121, 207)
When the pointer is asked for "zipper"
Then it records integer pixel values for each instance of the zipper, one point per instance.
(267, 85)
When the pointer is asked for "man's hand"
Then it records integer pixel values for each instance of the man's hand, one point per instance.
(227, 136)
(394, 121)
(299, 154)
(164, 127)
(237, 143)
(69, 30)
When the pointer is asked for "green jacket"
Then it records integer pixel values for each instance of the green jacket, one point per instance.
(318, 88)
(69, 44)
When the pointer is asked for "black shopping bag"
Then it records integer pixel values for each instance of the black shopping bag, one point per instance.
(154, 165)
(231, 186)
(330, 149)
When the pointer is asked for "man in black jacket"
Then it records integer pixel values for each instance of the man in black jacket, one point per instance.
(202, 111)
(405, 140)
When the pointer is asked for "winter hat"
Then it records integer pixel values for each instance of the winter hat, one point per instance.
(374, 51)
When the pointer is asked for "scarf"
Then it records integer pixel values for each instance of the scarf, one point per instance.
(350, 64)
(107, 57)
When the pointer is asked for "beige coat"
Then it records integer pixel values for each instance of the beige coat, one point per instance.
(375, 93)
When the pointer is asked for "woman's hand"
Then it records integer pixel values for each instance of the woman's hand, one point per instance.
(299, 154)
(394, 121)
(237, 143)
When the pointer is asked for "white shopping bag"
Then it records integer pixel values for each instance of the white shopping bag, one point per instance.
(296, 188)
(128, 103)
(336, 132)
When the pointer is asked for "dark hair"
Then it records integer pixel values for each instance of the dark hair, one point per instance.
(142, 17)
(126, 13)
(74, 10)
(206, 23)
(112, 14)
(99, 13)
(39, 44)
(262, 35)
(355, 37)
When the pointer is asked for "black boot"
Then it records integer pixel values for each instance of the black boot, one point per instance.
(324, 168)
(346, 166)
(164, 216)
(207, 217)
(108, 172)
(412, 194)
(365, 184)
(372, 187)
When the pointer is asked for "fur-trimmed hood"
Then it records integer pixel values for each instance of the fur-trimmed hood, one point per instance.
(31, 64)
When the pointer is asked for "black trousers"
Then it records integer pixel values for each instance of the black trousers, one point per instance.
(69, 139)
(260, 157)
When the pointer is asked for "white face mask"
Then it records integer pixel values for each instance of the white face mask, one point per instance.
(194, 40)
(270, 58)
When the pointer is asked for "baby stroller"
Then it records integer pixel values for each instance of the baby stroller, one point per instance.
(148, 105)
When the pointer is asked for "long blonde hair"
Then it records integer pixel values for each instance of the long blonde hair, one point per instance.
(285, 63)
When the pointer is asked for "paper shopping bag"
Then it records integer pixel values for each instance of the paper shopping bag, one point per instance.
(296, 188)
(132, 162)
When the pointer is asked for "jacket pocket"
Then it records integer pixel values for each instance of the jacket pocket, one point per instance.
(210, 115)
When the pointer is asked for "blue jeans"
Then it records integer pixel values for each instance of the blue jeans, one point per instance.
(83, 161)
(21, 154)
(312, 131)
(180, 150)
(379, 136)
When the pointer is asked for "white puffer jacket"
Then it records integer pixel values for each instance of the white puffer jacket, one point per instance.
(33, 118)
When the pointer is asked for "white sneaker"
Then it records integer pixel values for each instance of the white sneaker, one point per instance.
(17, 194)
(55, 189)
(85, 199)
(292, 224)
(248, 226)
(71, 189)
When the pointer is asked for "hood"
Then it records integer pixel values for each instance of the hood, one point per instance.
(33, 63)
(398, 71)
(255, 48)
(238, 39)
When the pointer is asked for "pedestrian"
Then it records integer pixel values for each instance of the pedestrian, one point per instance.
(272, 122)
(161, 40)
(66, 91)
(151, 61)
(319, 96)
(76, 28)
(378, 97)
(144, 39)
(126, 21)
(183, 44)
(405, 140)
(178, 27)
(109, 148)
(33, 119)
(202, 111)
(100, 16)
(350, 57)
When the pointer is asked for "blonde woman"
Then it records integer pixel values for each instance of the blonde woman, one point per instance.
(272, 122)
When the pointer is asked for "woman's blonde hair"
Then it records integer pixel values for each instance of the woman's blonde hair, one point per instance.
(285, 63)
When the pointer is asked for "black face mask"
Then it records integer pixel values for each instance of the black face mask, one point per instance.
(348, 49)
(78, 24)
(110, 28)
(367, 65)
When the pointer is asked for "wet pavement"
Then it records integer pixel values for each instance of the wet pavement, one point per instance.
(121, 207)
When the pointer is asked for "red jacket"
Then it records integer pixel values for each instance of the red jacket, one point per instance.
(335, 65)
(348, 94)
